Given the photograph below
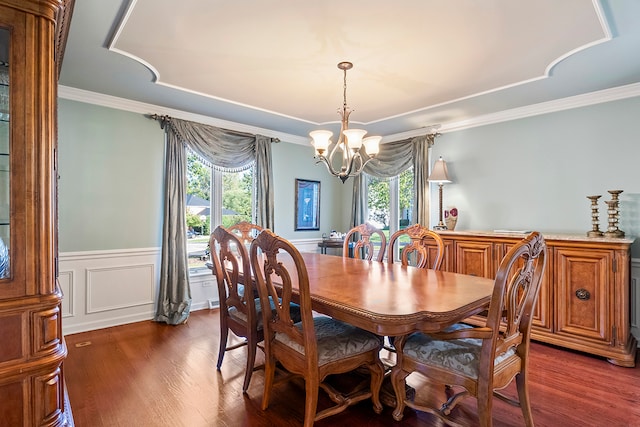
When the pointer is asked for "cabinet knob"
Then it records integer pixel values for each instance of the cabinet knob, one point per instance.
(583, 294)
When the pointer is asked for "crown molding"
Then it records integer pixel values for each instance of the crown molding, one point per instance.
(109, 101)
(578, 101)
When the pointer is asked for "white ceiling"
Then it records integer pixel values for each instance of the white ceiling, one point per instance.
(272, 65)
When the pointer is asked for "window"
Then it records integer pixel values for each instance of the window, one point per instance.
(214, 198)
(390, 202)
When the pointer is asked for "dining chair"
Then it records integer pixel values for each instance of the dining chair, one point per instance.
(418, 250)
(363, 247)
(481, 360)
(245, 231)
(315, 347)
(240, 309)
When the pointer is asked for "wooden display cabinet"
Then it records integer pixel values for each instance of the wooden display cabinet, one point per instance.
(33, 350)
(584, 297)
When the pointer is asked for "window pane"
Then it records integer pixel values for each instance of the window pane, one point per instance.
(237, 197)
(198, 212)
(390, 204)
(405, 198)
(378, 202)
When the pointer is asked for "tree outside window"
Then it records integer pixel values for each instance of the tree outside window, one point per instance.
(390, 202)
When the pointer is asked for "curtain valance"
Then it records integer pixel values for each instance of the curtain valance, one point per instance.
(224, 149)
(393, 159)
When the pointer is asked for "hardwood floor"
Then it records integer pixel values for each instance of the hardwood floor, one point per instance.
(152, 374)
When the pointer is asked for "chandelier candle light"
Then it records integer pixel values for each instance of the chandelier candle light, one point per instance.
(357, 151)
(440, 175)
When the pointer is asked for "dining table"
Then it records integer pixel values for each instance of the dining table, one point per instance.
(390, 299)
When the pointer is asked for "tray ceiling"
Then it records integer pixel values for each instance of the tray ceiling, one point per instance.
(416, 63)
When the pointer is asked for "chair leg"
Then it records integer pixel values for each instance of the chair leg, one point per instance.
(377, 376)
(485, 400)
(398, 377)
(224, 334)
(523, 396)
(269, 374)
(312, 388)
(251, 360)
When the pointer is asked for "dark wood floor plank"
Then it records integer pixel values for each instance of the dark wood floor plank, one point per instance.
(152, 374)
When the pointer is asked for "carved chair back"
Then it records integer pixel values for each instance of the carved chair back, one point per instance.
(424, 245)
(245, 231)
(364, 247)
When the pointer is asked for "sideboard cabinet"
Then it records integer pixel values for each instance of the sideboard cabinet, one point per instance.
(584, 297)
(32, 350)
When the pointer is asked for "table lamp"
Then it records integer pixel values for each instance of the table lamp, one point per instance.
(439, 175)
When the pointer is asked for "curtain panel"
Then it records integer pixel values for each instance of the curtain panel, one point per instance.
(225, 150)
(393, 159)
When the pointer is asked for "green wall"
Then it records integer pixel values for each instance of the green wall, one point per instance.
(111, 172)
(535, 173)
(532, 173)
(111, 165)
(291, 161)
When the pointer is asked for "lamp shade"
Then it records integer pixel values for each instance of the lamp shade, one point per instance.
(439, 172)
(321, 140)
(354, 137)
(372, 145)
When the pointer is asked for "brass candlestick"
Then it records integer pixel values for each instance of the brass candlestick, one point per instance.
(613, 210)
(595, 231)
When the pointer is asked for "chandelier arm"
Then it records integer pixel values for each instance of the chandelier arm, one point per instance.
(365, 163)
(351, 162)
(330, 168)
(334, 149)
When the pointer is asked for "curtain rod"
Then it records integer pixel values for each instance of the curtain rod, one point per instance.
(162, 119)
(165, 119)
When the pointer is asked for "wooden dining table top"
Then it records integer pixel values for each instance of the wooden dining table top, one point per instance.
(391, 299)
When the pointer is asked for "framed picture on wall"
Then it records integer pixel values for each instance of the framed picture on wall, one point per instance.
(307, 215)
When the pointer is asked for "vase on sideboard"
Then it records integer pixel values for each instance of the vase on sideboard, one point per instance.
(451, 217)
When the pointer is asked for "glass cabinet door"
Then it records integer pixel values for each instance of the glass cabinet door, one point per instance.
(5, 163)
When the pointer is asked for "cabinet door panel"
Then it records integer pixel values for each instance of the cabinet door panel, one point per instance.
(542, 312)
(447, 262)
(583, 280)
(475, 258)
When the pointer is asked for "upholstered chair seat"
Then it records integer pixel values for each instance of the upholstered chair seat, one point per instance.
(336, 340)
(461, 355)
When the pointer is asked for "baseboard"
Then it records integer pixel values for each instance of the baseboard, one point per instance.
(106, 323)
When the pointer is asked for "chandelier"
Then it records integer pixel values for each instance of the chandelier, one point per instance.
(356, 151)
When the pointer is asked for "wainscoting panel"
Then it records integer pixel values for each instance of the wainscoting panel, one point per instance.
(118, 287)
(108, 288)
(307, 245)
(65, 279)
